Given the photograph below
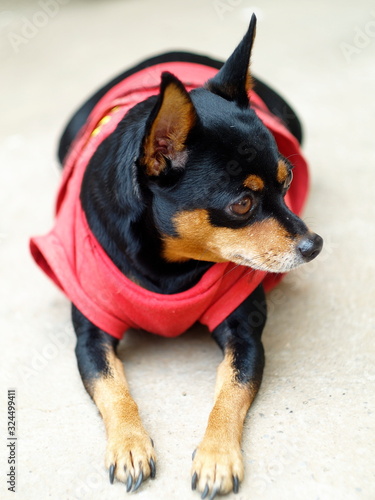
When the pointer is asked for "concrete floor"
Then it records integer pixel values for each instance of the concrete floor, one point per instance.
(310, 433)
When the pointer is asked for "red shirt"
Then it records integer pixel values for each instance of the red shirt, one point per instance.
(73, 258)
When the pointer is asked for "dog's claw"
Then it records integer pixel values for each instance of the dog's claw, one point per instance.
(153, 468)
(205, 492)
(215, 491)
(193, 454)
(194, 480)
(112, 473)
(129, 483)
(236, 484)
(139, 481)
(152, 442)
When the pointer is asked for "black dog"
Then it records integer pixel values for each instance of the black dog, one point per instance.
(153, 200)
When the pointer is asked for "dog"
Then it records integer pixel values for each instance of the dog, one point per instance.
(177, 205)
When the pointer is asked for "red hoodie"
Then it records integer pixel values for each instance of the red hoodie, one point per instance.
(73, 258)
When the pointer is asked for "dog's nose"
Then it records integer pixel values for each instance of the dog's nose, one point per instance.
(310, 246)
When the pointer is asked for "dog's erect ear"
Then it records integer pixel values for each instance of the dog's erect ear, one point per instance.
(234, 81)
(168, 126)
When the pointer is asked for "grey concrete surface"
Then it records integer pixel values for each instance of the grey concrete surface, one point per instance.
(310, 433)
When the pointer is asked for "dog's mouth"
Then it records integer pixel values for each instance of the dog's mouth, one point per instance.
(305, 250)
(273, 263)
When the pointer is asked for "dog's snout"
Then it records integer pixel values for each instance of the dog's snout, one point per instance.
(310, 246)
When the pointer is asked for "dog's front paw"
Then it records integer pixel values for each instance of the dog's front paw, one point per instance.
(130, 457)
(217, 468)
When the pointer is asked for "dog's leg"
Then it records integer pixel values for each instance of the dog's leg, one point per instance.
(130, 455)
(217, 462)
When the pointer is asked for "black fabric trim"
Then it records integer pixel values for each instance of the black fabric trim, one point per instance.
(279, 107)
(274, 101)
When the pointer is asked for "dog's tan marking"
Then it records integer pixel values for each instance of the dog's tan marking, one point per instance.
(254, 182)
(249, 81)
(263, 243)
(218, 458)
(169, 131)
(282, 172)
(129, 447)
(194, 232)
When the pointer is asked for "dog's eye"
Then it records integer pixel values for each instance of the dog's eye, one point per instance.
(288, 181)
(242, 207)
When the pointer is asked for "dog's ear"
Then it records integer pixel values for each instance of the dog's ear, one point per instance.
(234, 81)
(168, 126)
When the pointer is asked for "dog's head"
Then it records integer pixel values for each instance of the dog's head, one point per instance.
(217, 178)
